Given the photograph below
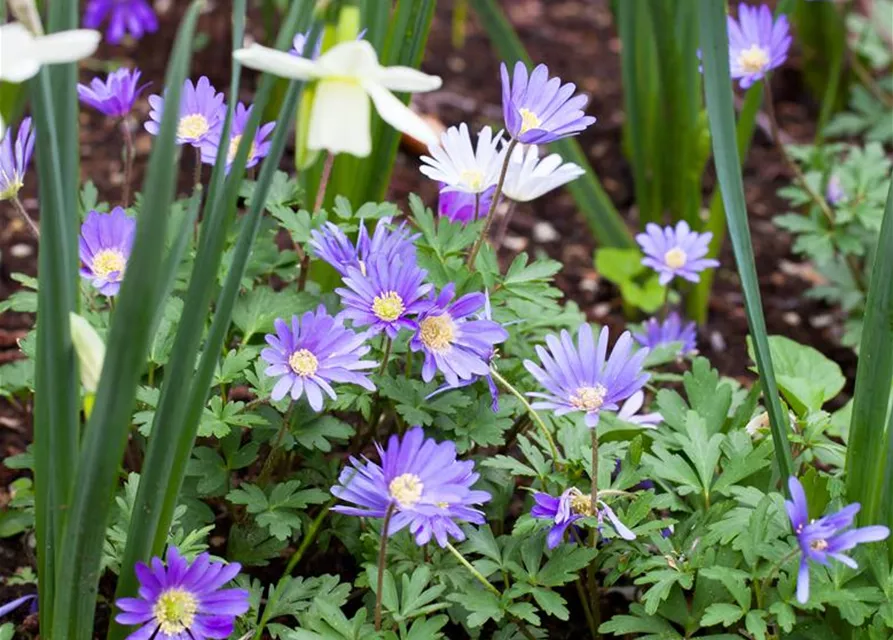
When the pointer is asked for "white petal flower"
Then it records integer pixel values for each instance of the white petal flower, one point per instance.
(629, 412)
(456, 163)
(90, 350)
(528, 177)
(22, 53)
(348, 75)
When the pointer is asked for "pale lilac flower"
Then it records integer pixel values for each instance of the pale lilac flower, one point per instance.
(570, 506)
(260, 146)
(676, 251)
(104, 246)
(423, 484)
(657, 333)
(315, 351)
(12, 605)
(835, 193)
(581, 378)
(14, 159)
(629, 412)
(461, 166)
(538, 109)
(134, 17)
(115, 96)
(202, 113)
(757, 43)
(459, 206)
(331, 244)
(529, 177)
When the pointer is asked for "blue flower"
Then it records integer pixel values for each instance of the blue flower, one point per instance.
(658, 333)
(570, 506)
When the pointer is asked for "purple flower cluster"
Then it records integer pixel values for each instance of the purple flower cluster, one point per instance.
(570, 506)
(332, 245)
(125, 17)
(657, 333)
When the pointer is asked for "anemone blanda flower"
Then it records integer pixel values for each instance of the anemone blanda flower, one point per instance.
(826, 537)
(458, 347)
(580, 378)
(757, 44)
(629, 412)
(115, 96)
(459, 165)
(656, 333)
(529, 177)
(313, 352)
(14, 159)
(22, 53)
(384, 295)
(202, 113)
(331, 244)
(570, 506)
(179, 599)
(459, 206)
(260, 146)
(538, 109)
(675, 251)
(347, 76)
(105, 244)
(421, 480)
(134, 17)
(834, 192)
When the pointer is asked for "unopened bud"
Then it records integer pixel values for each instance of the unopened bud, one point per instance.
(90, 350)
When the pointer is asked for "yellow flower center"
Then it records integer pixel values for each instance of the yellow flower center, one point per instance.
(675, 258)
(109, 261)
(442, 505)
(529, 120)
(193, 126)
(754, 59)
(388, 306)
(437, 332)
(174, 611)
(13, 182)
(589, 398)
(303, 363)
(473, 179)
(819, 545)
(581, 504)
(406, 489)
(234, 147)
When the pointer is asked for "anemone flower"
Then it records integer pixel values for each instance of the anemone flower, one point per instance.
(461, 166)
(675, 251)
(331, 244)
(529, 177)
(134, 17)
(260, 146)
(115, 95)
(657, 333)
(105, 244)
(462, 207)
(629, 412)
(570, 506)
(14, 160)
(202, 113)
(757, 43)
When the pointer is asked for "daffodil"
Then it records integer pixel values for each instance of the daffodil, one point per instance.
(22, 54)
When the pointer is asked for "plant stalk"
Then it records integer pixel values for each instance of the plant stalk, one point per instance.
(533, 414)
(129, 154)
(20, 209)
(473, 254)
(317, 206)
(382, 558)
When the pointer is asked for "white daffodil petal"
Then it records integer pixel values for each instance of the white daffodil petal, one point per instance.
(66, 46)
(398, 115)
(352, 59)
(279, 63)
(339, 122)
(407, 79)
(16, 61)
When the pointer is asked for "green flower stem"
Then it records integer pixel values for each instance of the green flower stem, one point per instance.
(587, 610)
(473, 254)
(129, 155)
(267, 470)
(594, 604)
(382, 559)
(533, 414)
(774, 572)
(387, 356)
(320, 198)
(197, 176)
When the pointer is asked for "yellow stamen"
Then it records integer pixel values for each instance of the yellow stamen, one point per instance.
(108, 261)
(589, 398)
(388, 306)
(406, 489)
(303, 363)
(473, 179)
(234, 147)
(437, 332)
(174, 611)
(581, 504)
(754, 59)
(193, 126)
(529, 120)
(819, 545)
(675, 258)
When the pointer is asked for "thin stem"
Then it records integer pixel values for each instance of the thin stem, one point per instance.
(594, 599)
(584, 601)
(533, 414)
(776, 568)
(472, 256)
(267, 470)
(387, 356)
(20, 209)
(197, 179)
(320, 198)
(382, 557)
(129, 153)
(503, 229)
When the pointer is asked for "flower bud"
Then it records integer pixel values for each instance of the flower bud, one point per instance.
(90, 350)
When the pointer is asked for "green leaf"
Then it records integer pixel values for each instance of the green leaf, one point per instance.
(277, 507)
(320, 432)
(721, 613)
(481, 606)
(564, 565)
(255, 311)
(735, 580)
(755, 623)
(662, 581)
(640, 625)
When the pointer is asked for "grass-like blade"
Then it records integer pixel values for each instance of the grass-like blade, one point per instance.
(721, 115)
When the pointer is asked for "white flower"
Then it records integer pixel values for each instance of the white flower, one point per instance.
(628, 412)
(90, 350)
(456, 163)
(528, 177)
(22, 53)
(348, 74)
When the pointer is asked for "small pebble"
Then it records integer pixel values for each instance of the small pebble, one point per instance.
(589, 284)
(515, 243)
(717, 342)
(821, 321)
(602, 309)
(21, 250)
(544, 232)
(791, 318)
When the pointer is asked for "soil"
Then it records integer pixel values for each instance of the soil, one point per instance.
(587, 55)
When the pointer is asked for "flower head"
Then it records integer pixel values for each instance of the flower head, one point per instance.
(14, 159)
(538, 109)
(421, 481)
(657, 333)
(456, 163)
(299, 45)
(332, 245)
(675, 251)
(22, 53)
(313, 352)
(180, 599)
(202, 113)
(459, 206)
(629, 412)
(134, 17)
(347, 76)
(105, 244)
(115, 96)
(826, 537)
(384, 295)
(835, 193)
(757, 44)
(260, 146)
(459, 347)
(528, 177)
(90, 350)
(580, 378)
(570, 506)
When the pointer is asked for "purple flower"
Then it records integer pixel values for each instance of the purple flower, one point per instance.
(756, 43)
(115, 96)
(539, 109)
(580, 379)
(332, 245)
(825, 538)
(384, 295)
(458, 206)
(675, 252)
(315, 351)
(629, 412)
(455, 345)
(835, 193)
(202, 113)
(657, 334)
(260, 146)
(183, 600)
(135, 17)
(105, 244)
(421, 481)
(12, 605)
(570, 506)
(14, 159)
